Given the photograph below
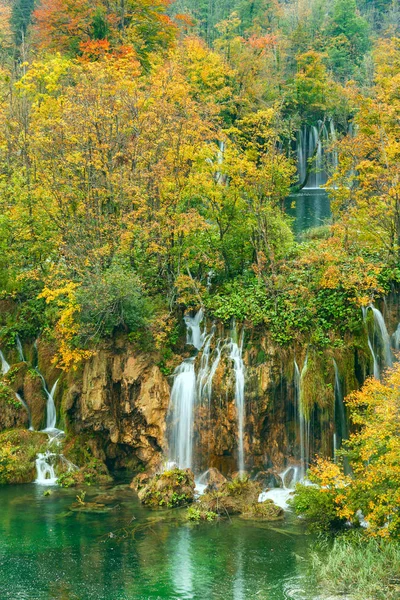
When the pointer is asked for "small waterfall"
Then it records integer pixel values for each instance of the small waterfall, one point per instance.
(396, 339)
(51, 413)
(51, 408)
(19, 349)
(194, 335)
(280, 496)
(24, 404)
(5, 367)
(183, 398)
(340, 420)
(377, 373)
(380, 325)
(204, 365)
(381, 336)
(236, 352)
(45, 471)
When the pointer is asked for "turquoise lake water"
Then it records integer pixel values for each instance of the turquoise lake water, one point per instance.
(131, 553)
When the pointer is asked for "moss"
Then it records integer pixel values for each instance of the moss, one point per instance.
(91, 469)
(197, 513)
(233, 497)
(169, 489)
(263, 511)
(18, 450)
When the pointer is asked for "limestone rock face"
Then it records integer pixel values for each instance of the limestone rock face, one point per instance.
(122, 398)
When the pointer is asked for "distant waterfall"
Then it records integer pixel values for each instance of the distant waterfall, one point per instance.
(311, 145)
(379, 343)
(236, 354)
(5, 367)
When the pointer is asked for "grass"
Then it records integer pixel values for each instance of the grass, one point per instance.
(359, 567)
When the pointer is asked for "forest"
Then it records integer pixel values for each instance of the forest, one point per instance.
(160, 303)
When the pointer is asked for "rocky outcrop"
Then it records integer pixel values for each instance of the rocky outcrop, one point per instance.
(121, 398)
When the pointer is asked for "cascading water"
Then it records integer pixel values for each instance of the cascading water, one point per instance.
(303, 422)
(183, 398)
(311, 147)
(194, 336)
(380, 326)
(19, 349)
(396, 339)
(45, 471)
(236, 352)
(280, 496)
(382, 351)
(377, 373)
(341, 430)
(51, 419)
(5, 367)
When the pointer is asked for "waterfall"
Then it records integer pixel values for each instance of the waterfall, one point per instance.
(280, 496)
(5, 367)
(381, 334)
(341, 433)
(204, 364)
(51, 413)
(194, 335)
(19, 349)
(396, 339)
(311, 142)
(381, 326)
(236, 352)
(183, 398)
(377, 374)
(303, 421)
(51, 408)
(45, 471)
(24, 404)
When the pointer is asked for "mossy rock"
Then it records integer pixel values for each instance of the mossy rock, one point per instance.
(233, 497)
(263, 511)
(18, 451)
(169, 489)
(197, 513)
(13, 414)
(94, 472)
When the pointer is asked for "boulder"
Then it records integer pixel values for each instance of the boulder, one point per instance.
(169, 489)
(269, 479)
(263, 511)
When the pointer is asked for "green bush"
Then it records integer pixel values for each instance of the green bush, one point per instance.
(317, 507)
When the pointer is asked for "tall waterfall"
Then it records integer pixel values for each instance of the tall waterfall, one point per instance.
(183, 399)
(302, 419)
(236, 351)
(380, 326)
(5, 367)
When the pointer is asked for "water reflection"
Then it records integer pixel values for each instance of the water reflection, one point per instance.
(47, 552)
